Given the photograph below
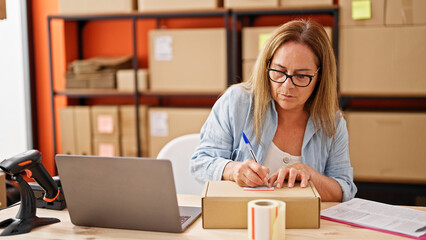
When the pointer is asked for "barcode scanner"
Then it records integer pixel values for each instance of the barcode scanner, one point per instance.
(28, 162)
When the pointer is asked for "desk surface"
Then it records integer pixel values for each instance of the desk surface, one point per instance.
(66, 230)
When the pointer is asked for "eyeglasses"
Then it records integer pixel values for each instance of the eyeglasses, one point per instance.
(299, 80)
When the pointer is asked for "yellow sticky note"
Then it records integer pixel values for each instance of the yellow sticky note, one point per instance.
(262, 39)
(361, 9)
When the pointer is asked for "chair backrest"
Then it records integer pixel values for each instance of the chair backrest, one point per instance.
(179, 152)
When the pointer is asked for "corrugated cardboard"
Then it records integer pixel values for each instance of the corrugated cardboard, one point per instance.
(171, 5)
(168, 123)
(298, 3)
(2, 9)
(383, 61)
(388, 146)
(188, 60)
(126, 79)
(377, 14)
(128, 130)
(67, 128)
(225, 205)
(407, 12)
(107, 146)
(3, 199)
(105, 121)
(96, 6)
(250, 3)
(83, 130)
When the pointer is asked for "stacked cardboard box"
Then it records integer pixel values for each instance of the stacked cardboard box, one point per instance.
(126, 79)
(96, 6)
(99, 72)
(75, 127)
(106, 131)
(388, 146)
(275, 3)
(188, 60)
(173, 5)
(168, 123)
(128, 133)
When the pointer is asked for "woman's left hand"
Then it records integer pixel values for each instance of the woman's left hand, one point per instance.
(298, 171)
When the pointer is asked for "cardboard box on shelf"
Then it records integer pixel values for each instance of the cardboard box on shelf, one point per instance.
(67, 130)
(247, 69)
(2, 9)
(165, 124)
(298, 3)
(188, 60)
(224, 205)
(403, 12)
(361, 13)
(105, 120)
(250, 3)
(83, 130)
(3, 199)
(387, 146)
(96, 6)
(106, 146)
(128, 130)
(126, 79)
(172, 5)
(398, 54)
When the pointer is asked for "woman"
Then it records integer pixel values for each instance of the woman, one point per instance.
(289, 111)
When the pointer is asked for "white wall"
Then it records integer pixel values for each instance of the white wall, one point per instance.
(15, 109)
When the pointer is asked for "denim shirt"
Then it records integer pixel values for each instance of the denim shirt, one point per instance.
(221, 142)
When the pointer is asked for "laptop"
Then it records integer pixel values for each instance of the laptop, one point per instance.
(123, 192)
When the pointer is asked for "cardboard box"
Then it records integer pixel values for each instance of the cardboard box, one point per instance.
(67, 128)
(387, 146)
(377, 12)
(248, 66)
(225, 205)
(188, 60)
(3, 199)
(128, 130)
(83, 130)
(126, 80)
(105, 121)
(254, 38)
(2, 9)
(398, 54)
(250, 3)
(298, 3)
(405, 12)
(106, 146)
(172, 5)
(165, 124)
(96, 6)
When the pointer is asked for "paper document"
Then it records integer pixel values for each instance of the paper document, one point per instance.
(371, 214)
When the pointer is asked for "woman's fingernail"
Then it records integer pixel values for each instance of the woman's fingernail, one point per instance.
(279, 185)
(290, 185)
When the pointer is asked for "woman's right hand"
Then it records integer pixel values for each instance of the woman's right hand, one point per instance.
(246, 174)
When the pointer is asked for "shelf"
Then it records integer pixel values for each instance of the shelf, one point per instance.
(93, 93)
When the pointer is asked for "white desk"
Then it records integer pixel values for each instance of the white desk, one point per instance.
(66, 230)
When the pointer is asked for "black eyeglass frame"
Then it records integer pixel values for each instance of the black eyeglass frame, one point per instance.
(287, 76)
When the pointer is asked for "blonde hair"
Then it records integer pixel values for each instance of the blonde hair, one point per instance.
(323, 103)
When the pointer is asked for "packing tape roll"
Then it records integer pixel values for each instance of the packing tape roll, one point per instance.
(266, 219)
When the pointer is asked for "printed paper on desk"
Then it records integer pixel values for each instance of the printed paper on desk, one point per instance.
(378, 216)
(163, 48)
(105, 124)
(159, 124)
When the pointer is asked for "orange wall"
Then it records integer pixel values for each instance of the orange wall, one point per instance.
(99, 38)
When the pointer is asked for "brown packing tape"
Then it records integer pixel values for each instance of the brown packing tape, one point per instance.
(407, 11)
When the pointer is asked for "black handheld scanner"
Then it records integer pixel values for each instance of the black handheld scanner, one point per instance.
(30, 162)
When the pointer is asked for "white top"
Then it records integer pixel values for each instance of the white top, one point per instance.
(276, 159)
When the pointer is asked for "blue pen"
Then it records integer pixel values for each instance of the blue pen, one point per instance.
(250, 148)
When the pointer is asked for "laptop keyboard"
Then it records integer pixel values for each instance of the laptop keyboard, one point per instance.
(184, 219)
